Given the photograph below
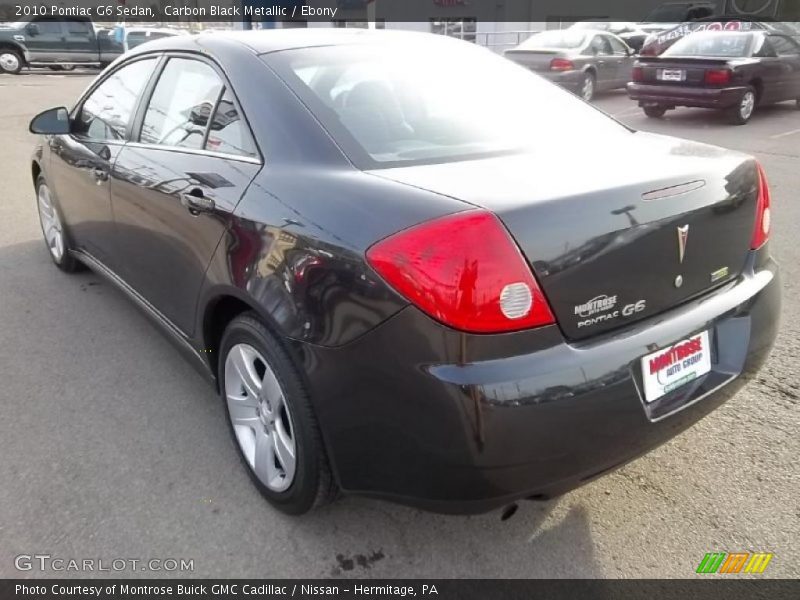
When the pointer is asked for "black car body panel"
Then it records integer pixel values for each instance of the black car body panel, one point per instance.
(410, 409)
(465, 423)
(594, 237)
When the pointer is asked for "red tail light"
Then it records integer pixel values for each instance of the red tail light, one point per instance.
(465, 271)
(561, 64)
(718, 76)
(763, 213)
(637, 74)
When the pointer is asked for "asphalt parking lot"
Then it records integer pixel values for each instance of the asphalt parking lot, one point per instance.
(113, 447)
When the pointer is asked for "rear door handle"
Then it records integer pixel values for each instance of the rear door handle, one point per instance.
(196, 201)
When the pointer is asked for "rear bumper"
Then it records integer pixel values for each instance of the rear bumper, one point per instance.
(419, 414)
(673, 95)
(570, 80)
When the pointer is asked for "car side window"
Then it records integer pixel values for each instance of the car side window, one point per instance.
(785, 46)
(78, 27)
(599, 46)
(48, 27)
(763, 48)
(617, 46)
(229, 133)
(106, 112)
(181, 104)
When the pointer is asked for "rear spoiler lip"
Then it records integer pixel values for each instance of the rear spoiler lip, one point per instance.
(688, 59)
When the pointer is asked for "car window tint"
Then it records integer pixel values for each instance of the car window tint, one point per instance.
(600, 46)
(48, 27)
(567, 39)
(181, 105)
(108, 109)
(229, 134)
(396, 105)
(763, 48)
(617, 46)
(784, 46)
(712, 43)
(78, 27)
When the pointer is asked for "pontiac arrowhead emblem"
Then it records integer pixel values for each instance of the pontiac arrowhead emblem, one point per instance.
(683, 235)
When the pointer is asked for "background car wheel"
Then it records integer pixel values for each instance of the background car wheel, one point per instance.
(10, 61)
(655, 112)
(588, 87)
(52, 224)
(271, 419)
(62, 67)
(743, 111)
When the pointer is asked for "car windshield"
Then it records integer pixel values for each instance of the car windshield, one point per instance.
(712, 43)
(394, 105)
(567, 39)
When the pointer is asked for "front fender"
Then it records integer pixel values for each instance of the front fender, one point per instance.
(17, 45)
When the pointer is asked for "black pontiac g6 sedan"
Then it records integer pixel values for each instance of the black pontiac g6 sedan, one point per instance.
(379, 249)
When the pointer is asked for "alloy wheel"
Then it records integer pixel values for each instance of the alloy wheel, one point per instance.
(260, 416)
(747, 105)
(51, 223)
(587, 89)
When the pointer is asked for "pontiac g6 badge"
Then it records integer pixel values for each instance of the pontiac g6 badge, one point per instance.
(683, 235)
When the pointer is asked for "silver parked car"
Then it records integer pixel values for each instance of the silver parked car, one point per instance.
(583, 61)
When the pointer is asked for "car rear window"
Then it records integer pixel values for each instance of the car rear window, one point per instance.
(568, 39)
(396, 105)
(712, 44)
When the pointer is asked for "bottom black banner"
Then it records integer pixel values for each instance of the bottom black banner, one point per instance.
(466, 589)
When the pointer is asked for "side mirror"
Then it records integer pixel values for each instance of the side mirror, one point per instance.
(32, 29)
(51, 122)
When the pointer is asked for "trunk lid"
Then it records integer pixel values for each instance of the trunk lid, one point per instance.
(603, 230)
(694, 70)
(535, 60)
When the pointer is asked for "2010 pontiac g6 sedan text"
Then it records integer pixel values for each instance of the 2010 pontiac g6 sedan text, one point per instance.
(414, 270)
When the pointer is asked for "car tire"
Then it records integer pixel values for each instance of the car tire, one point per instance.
(588, 86)
(742, 112)
(271, 419)
(11, 61)
(53, 230)
(655, 112)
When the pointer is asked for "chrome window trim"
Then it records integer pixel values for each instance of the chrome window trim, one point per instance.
(201, 152)
(144, 103)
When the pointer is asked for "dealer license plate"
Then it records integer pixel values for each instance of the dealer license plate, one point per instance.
(675, 366)
(672, 74)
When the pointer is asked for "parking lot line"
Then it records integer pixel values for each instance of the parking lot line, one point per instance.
(784, 134)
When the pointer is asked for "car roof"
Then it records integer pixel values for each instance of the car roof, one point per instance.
(275, 40)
